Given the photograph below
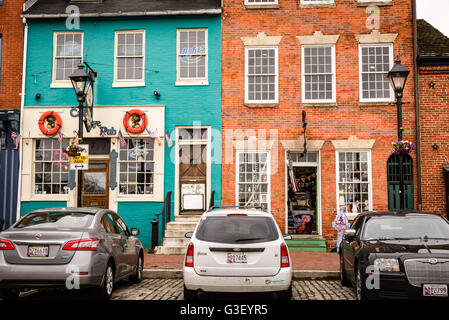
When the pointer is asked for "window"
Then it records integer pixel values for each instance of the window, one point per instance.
(375, 63)
(318, 74)
(192, 57)
(68, 53)
(129, 58)
(261, 75)
(253, 181)
(51, 167)
(122, 228)
(108, 223)
(354, 181)
(136, 163)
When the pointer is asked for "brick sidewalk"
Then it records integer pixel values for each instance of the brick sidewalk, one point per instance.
(323, 261)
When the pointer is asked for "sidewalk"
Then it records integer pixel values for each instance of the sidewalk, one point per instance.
(306, 265)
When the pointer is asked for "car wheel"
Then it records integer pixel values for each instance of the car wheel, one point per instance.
(9, 294)
(190, 295)
(105, 292)
(137, 277)
(285, 295)
(343, 279)
(359, 290)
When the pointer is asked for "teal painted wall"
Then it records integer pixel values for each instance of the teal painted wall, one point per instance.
(28, 206)
(184, 105)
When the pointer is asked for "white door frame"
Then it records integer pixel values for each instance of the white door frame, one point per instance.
(318, 202)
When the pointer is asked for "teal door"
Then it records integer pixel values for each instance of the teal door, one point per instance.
(393, 182)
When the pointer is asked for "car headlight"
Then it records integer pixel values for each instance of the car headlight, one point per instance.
(389, 265)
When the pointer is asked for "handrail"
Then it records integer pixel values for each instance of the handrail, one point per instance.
(212, 200)
(165, 214)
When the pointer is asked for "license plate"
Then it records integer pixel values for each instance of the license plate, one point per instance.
(435, 290)
(38, 251)
(237, 257)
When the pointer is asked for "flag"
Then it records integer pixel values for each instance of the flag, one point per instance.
(18, 141)
(292, 175)
(154, 134)
(60, 136)
(169, 141)
(16, 138)
(122, 140)
(103, 134)
(76, 139)
(13, 136)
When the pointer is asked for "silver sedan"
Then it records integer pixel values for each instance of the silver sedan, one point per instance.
(75, 248)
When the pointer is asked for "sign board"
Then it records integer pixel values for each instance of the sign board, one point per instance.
(81, 162)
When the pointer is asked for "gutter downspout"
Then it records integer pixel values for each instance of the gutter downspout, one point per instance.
(417, 106)
(22, 104)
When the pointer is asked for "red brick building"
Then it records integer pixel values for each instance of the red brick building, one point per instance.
(329, 59)
(433, 61)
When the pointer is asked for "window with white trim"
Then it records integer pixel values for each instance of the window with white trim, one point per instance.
(261, 75)
(253, 180)
(260, 2)
(354, 180)
(318, 73)
(68, 53)
(136, 167)
(51, 167)
(192, 51)
(376, 61)
(129, 57)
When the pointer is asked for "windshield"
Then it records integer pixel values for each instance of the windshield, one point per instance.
(406, 227)
(55, 219)
(237, 230)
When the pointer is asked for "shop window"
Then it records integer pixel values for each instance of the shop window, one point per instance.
(354, 181)
(129, 58)
(253, 181)
(51, 167)
(136, 165)
(68, 53)
(192, 56)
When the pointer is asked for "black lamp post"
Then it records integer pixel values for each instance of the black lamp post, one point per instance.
(398, 77)
(80, 82)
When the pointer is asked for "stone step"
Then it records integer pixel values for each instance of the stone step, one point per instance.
(176, 233)
(187, 226)
(170, 242)
(190, 219)
(171, 250)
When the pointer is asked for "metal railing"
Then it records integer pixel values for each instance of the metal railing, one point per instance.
(162, 217)
(212, 200)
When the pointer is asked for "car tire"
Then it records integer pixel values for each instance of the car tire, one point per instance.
(359, 288)
(107, 287)
(9, 294)
(285, 295)
(343, 279)
(137, 277)
(190, 295)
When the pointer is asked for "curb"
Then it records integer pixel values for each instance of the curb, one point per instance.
(297, 274)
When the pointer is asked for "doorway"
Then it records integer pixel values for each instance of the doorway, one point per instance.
(95, 181)
(393, 182)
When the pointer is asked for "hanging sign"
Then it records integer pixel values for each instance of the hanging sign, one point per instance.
(81, 162)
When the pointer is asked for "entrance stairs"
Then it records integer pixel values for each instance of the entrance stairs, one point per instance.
(306, 243)
(174, 240)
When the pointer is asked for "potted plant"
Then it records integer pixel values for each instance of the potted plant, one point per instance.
(403, 147)
(73, 150)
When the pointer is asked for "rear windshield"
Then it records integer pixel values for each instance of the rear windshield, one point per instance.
(237, 230)
(57, 219)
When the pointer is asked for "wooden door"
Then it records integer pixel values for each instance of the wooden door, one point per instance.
(95, 192)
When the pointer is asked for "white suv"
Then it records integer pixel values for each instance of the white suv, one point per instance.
(237, 250)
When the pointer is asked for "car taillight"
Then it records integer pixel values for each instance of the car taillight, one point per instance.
(6, 245)
(285, 261)
(82, 245)
(189, 256)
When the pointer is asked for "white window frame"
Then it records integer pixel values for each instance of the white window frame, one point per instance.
(237, 174)
(128, 83)
(371, 1)
(352, 215)
(276, 84)
(63, 83)
(390, 45)
(260, 3)
(334, 75)
(192, 81)
(317, 2)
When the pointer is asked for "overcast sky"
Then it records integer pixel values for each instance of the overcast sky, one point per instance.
(435, 12)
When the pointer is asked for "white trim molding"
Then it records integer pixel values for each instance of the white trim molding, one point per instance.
(318, 38)
(376, 37)
(299, 144)
(353, 143)
(261, 40)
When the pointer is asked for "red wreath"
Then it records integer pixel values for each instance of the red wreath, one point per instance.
(53, 124)
(137, 126)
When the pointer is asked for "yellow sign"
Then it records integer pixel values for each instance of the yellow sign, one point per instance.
(81, 162)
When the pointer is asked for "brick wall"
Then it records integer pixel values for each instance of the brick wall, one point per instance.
(434, 104)
(11, 29)
(377, 122)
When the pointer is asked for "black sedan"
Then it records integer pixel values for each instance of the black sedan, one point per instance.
(396, 255)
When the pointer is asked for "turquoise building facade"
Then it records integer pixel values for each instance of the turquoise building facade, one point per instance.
(188, 110)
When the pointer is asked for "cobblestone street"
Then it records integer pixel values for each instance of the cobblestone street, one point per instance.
(172, 289)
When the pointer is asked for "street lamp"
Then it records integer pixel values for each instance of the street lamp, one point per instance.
(398, 77)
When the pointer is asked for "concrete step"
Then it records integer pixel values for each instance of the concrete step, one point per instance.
(170, 242)
(176, 233)
(307, 244)
(190, 219)
(187, 226)
(171, 250)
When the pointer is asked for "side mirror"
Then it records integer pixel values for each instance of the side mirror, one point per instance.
(135, 232)
(349, 234)
(189, 235)
(287, 237)
(2, 223)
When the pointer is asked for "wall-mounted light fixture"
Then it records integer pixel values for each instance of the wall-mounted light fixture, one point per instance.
(157, 94)
(38, 96)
